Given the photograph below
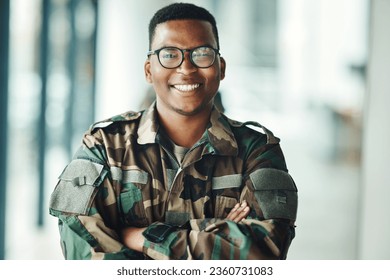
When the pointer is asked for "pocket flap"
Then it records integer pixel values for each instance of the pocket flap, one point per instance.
(276, 193)
(82, 172)
(267, 179)
(76, 188)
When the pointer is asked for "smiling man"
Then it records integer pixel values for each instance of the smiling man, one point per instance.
(179, 180)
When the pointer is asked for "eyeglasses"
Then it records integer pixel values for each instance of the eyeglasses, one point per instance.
(172, 57)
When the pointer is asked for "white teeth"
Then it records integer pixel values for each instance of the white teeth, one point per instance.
(186, 87)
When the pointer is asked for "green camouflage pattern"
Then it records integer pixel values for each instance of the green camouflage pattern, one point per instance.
(136, 182)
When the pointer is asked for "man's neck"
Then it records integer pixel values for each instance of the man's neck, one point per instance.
(184, 130)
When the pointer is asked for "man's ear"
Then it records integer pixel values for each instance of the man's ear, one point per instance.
(223, 67)
(148, 74)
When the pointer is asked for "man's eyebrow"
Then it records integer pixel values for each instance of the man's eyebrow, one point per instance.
(197, 46)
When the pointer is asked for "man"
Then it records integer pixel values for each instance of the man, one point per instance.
(179, 180)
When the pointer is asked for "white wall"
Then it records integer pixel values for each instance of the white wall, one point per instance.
(375, 223)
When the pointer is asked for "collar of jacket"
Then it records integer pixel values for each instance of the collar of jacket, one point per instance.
(218, 135)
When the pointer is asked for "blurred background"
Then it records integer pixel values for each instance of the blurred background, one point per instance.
(315, 72)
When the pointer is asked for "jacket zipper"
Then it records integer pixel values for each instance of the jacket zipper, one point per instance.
(181, 167)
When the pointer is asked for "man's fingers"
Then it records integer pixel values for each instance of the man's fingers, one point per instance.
(239, 212)
(243, 213)
(233, 213)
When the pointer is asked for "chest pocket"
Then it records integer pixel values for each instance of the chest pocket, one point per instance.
(131, 201)
(227, 193)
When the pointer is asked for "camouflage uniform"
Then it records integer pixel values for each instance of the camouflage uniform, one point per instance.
(124, 175)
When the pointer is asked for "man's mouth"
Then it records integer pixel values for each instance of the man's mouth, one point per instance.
(186, 87)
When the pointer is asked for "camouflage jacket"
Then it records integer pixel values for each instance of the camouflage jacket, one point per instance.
(123, 175)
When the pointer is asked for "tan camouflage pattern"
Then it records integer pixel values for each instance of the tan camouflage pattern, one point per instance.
(183, 206)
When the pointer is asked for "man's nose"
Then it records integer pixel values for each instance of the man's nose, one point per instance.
(187, 67)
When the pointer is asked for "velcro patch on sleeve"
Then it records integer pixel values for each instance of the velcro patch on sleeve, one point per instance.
(227, 181)
(276, 193)
(129, 176)
(76, 187)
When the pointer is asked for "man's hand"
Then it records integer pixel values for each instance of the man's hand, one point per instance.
(239, 212)
(132, 237)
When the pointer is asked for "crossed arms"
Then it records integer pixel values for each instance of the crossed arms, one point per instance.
(133, 238)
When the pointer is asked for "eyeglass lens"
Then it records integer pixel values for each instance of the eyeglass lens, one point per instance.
(202, 57)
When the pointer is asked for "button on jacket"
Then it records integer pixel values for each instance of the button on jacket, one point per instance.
(126, 175)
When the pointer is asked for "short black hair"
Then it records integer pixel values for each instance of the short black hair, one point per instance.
(181, 11)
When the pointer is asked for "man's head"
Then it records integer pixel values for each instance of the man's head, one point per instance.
(184, 65)
(177, 11)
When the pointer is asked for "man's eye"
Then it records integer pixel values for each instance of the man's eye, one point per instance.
(202, 54)
(168, 55)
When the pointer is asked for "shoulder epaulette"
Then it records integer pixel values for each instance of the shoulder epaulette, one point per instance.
(271, 138)
(128, 116)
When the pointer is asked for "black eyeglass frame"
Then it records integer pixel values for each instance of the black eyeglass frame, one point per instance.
(157, 52)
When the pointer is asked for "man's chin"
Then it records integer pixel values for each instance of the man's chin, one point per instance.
(191, 112)
(187, 113)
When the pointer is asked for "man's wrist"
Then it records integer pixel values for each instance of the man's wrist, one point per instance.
(133, 238)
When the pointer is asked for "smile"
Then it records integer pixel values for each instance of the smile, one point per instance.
(186, 87)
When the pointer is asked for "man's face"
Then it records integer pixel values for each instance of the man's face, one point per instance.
(187, 89)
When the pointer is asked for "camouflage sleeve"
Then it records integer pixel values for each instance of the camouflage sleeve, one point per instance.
(80, 200)
(272, 196)
(265, 234)
(87, 238)
(212, 239)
